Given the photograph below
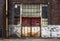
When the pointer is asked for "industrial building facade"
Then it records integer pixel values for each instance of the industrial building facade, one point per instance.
(31, 18)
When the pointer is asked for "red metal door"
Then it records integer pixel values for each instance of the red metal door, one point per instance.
(26, 27)
(36, 24)
(31, 27)
(36, 21)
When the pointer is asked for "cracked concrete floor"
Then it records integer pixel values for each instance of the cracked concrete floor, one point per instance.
(29, 39)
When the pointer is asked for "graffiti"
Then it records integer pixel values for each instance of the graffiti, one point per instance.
(51, 31)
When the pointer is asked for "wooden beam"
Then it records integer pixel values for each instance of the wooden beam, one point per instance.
(6, 18)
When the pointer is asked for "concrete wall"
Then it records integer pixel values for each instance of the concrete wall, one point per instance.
(30, 40)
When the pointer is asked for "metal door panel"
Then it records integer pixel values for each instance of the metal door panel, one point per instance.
(36, 31)
(25, 31)
(25, 27)
(36, 21)
(26, 22)
(31, 27)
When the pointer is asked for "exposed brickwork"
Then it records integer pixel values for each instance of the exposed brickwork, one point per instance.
(55, 12)
(30, 1)
(53, 8)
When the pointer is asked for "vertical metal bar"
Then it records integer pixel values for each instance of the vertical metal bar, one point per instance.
(30, 27)
(21, 18)
(24, 31)
(6, 18)
(27, 31)
(40, 18)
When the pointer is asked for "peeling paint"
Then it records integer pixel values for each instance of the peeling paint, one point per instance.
(51, 31)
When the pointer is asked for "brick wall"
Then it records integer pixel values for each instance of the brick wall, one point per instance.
(30, 1)
(2, 16)
(56, 12)
(53, 8)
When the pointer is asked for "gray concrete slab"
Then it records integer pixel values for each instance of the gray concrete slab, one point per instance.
(30, 40)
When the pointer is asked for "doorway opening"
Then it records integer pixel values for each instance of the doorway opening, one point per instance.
(27, 20)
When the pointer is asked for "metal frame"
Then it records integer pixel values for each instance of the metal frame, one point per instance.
(41, 11)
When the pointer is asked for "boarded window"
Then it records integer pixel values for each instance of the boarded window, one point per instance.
(44, 15)
(17, 11)
(44, 12)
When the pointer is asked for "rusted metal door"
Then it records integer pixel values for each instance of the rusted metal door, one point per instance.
(26, 27)
(36, 24)
(31, 27)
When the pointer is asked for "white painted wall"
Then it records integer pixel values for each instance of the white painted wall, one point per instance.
(46, 31)
(50, 31)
